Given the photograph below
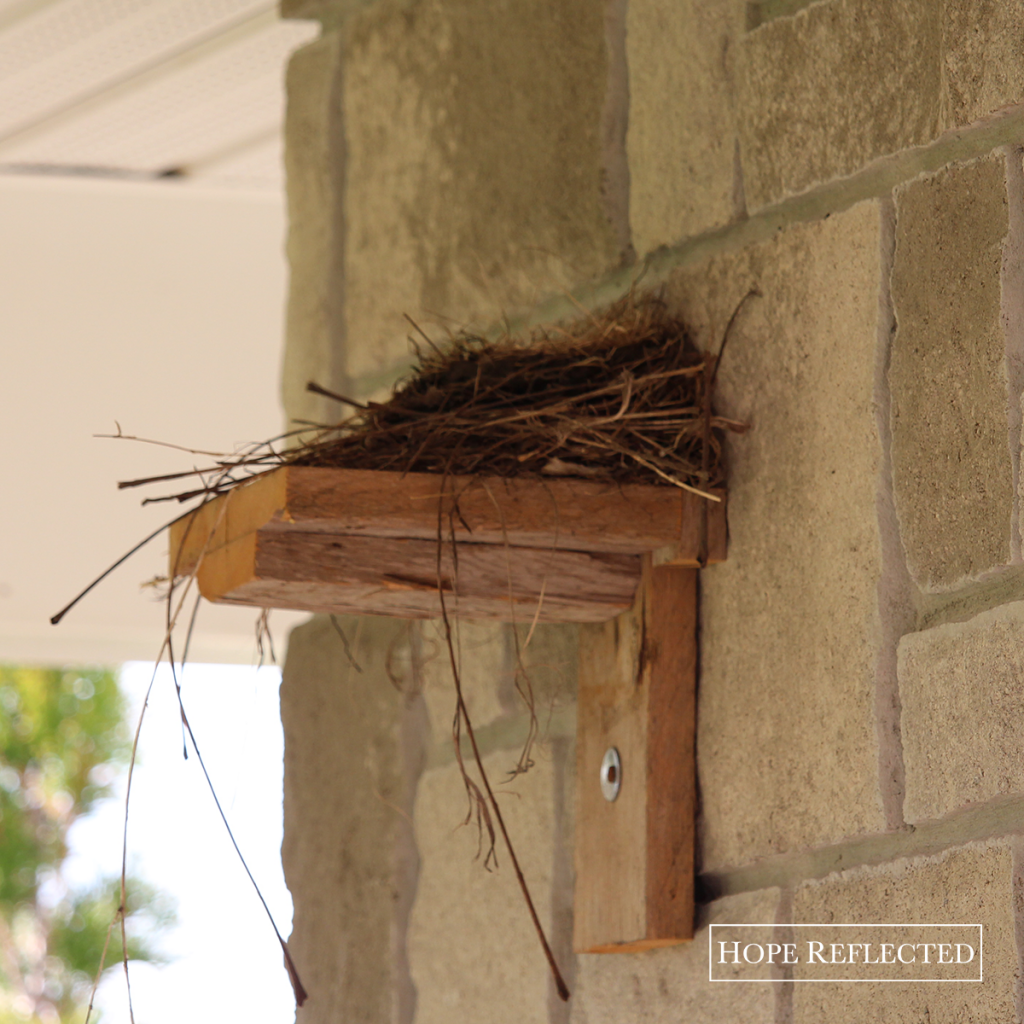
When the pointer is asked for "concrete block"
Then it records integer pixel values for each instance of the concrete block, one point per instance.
(498, 676)
(682, 119)
(550, 661)
(969, 884)
(952, 470)
(822, 93)
(354, 745)
(664, 986)
(962, 691)
(473, 950)
(787, 746)
(474, 165)
(313, 340)
(483, 659)
(983, 57)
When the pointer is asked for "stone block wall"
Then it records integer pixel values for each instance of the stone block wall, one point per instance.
(857, 164)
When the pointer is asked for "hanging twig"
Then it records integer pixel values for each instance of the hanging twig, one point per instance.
(463, 712)
(106, 572)
(344, 642)
(293, 975)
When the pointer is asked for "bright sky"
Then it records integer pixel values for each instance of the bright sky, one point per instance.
(226, 964)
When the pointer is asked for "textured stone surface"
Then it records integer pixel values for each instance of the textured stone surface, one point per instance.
(787, 750)
(446, 158)
(474, 164)
(313, 342)
(549, 660)
(498, 678)
(473, 950)
(824, 90)
(840, 83)
(353, 747)
(482, 656)
(969, 884)
(665, 986)
(983, 57)
(952, 472)
(962, 688)
(681, 139)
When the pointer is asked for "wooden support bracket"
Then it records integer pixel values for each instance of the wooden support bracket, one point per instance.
(634, 854)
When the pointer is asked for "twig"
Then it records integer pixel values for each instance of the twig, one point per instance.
(160, 444)
(54, 619)
(344, 640)
(423, 334)
(300, 992)
(99, 970)
(463, 712)
(525, 761)
(318, 389)
(753, 293)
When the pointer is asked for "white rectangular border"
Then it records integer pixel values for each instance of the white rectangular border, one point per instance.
(849, 981)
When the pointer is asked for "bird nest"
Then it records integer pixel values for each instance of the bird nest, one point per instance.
(622, 397)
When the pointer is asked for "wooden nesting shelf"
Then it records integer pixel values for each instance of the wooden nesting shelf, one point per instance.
(623, 559)
(365, 542)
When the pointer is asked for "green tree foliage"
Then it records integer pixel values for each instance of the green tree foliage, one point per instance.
(63, 739)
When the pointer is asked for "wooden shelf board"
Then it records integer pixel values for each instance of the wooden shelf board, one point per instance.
(361, 540)
(399, 576)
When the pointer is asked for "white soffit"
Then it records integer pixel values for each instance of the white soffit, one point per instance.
(158, 308)
(248, 167)
(141, 88)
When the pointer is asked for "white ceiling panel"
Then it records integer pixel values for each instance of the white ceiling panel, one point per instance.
(228, 101)
(255, 167)
(159, 308)
(138, 88)
(74, 48)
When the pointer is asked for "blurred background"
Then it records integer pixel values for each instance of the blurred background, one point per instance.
(142, 287)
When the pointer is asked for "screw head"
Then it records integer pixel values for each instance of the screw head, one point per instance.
(611, 774)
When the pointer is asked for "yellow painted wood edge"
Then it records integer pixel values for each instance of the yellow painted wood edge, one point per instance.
(242, 511)
(227, 568)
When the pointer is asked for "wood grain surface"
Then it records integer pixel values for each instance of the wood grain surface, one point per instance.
(567, 514)
(400, 576)
(634, 856)
(618, 559)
